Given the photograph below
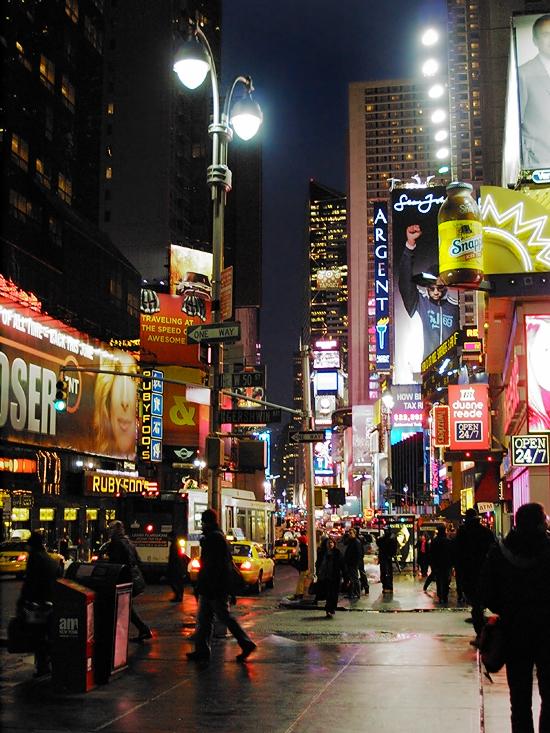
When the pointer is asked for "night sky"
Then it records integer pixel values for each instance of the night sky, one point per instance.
(302, 55)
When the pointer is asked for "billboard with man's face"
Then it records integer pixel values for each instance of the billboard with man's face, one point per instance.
(424, 312)
(527, 142)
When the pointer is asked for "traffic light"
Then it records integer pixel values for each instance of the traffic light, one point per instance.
(61, 395)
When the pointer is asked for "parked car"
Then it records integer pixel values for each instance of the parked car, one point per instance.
(286, 550)
(14, 554)
(251, 559)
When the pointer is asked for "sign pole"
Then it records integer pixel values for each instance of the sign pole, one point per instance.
(310, 488)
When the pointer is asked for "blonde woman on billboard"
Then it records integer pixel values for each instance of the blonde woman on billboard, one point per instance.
(538, 374)
(115, 399)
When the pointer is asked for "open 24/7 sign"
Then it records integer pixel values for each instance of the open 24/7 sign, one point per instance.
(530, 450)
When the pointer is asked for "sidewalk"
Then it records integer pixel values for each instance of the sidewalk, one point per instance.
(384, 663)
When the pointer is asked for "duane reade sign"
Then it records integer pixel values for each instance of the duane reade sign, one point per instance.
(469, 417)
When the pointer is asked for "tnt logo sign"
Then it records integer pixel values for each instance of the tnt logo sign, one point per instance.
(68, 627)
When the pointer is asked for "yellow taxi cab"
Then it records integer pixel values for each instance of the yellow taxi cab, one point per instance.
(251, 559)
(14, 554)
(286, 549)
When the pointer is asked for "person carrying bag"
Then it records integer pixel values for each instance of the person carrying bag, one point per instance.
(122, 552)
(29, 631)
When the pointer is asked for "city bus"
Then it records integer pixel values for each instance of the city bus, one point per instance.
(148, 521)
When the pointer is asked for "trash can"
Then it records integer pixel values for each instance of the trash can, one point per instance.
(72, 637)
(113, 603)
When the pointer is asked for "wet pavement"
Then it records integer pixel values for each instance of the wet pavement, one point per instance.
(386, 662)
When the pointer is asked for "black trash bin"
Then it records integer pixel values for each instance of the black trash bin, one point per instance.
(113, 603)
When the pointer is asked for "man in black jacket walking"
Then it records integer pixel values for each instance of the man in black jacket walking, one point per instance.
(214, 590)
(472, 543)
(515, 584)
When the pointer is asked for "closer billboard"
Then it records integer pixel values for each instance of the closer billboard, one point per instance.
(537, 340)
(422, 318)
(526, 140)
(101, 416)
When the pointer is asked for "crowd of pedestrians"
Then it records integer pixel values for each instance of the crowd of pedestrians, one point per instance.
(510, 577)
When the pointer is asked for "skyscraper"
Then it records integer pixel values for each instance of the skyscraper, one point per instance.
(326, 299)
(390, 142)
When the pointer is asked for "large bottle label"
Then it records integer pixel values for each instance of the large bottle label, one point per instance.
(460, 245)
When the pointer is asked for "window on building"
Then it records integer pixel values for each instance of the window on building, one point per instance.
(108, 172)
(43, 172)
(56, 231)
(48, 123)
(93, 35)
(47, 72)
(71, 8)
(65, 188)
(20, 152)
(111, 108)
(21, 208)
(68, 92)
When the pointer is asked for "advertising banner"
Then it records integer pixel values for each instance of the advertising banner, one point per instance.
(165, 317)
(184, 422)
(163, 331)
(407, 409)
(423, 317)
(381, 286)
(362, 426)
(469, 417)
(532, 56)
(101, 415)
(537, 339)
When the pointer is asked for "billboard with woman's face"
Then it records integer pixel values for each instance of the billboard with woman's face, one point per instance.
(537, 339)
(101, 416)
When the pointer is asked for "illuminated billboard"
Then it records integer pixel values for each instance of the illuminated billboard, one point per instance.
(516, 232)
(329, 279)
(537, 339)
(381, 285)
(423, 318)
(101, 416)
(469, 417)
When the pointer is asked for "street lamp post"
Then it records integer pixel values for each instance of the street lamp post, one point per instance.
(192, 63)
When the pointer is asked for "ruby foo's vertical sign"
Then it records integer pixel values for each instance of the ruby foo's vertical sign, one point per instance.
(469, 416)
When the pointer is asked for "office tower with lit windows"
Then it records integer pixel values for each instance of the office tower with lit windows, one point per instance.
(391, 142)
(326, 297)
(52, 246)
(478, 33)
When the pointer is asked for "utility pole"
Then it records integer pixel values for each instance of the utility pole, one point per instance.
(309, 476)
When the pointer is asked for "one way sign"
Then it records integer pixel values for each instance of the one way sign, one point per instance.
(308, 436)
(214, 332)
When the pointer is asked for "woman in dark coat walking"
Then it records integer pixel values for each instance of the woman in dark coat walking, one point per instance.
(329, 575)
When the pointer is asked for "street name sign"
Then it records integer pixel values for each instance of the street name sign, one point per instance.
(239, 380)
(308, 436)
(214, 332)
(252, 416)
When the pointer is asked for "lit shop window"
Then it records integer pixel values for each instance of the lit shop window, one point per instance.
(20, 152)
(47, 72)
(65, 188)
(71, 8)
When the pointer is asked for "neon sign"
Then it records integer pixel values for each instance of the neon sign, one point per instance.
(10, 290)
(423, 205)
(381, 285)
